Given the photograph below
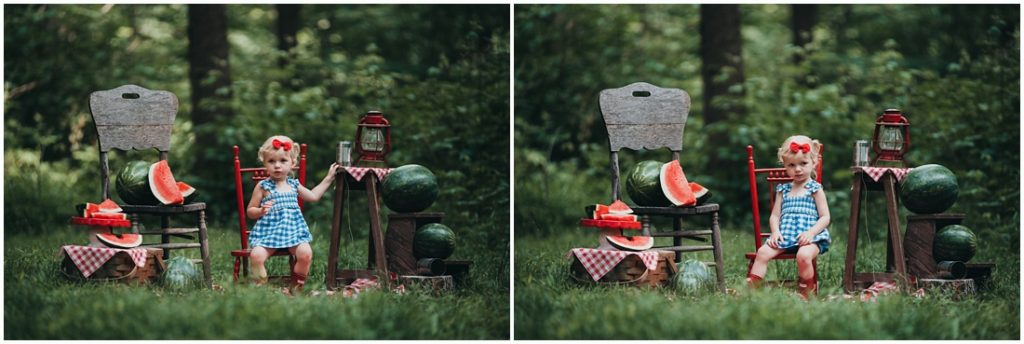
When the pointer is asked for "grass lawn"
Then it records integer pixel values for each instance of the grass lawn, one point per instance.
(39, 303)
(549, 305)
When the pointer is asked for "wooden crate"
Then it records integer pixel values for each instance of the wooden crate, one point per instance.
(120, 268)
(630, 271)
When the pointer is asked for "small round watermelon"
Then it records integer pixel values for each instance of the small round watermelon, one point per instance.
(693, 276)
(433, 240)
(929, 189)
(643, 184)
(181, 273)
(409, 189)
(954, 243)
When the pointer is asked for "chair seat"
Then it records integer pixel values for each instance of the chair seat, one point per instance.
(751, 255)
(164, 209)
(245, 253)
(676, 211)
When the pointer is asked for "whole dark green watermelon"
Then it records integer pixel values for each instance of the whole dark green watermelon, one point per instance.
(181, 273)
(954, 242)
(132, 184)
(643, 184)
(433, 240)
(409, 189)
(929, 189)
(693, 276)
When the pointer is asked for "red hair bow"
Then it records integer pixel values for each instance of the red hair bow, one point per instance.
(797, 148)
(286, 145)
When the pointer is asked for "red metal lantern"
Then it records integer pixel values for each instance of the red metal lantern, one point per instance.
(373, 138)
(891, 138)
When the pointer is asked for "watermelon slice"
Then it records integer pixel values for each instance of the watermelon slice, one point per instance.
(702, 193)
(187, 191)
(633, 243)
(618, 217)
(90, 208)
(126, 240)
(675, 186)
(619, 207)
(600, 209)
(108, 206)
(162, 184)
(114, 216)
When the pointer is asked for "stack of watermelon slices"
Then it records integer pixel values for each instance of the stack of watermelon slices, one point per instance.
(618, 211)
(109, 210)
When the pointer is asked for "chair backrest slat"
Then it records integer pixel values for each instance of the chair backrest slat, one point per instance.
(258, 174)
(643, 116)
(773, 176)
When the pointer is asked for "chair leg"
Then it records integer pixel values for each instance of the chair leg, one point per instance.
(234, 272)
(204, 249)
(716, 242)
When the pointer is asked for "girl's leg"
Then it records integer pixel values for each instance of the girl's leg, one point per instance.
(805, 266)
(760, 265)
(257, 257)
(303, 257)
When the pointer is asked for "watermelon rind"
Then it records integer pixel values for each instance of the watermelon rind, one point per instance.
(954, 243)
(693, 277)
(675, 186)
(181, 273)
(133, 184)
(643, 184)
(409, 189)
(929, 189)
(162, 184)
(127, 240)
(433, 240)
(633, 243)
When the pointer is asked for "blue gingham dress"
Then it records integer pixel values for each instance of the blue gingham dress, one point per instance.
(799, 214)
(284, 225)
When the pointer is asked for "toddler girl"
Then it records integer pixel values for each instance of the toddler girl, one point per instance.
(275, 205)
(800, 215)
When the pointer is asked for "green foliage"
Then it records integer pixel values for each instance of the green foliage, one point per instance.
(961, 93)
(545, 295)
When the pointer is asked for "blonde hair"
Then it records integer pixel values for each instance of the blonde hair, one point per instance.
(786, 152)
(268, 147)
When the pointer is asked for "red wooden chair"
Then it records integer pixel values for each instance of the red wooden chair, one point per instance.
(258, 174)
(773, 176)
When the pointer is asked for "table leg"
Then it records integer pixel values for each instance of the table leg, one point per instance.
(332, 254)
(895, 237)
(851, 240)
(373, 199)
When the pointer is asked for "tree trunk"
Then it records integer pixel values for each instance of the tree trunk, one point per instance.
(208, 72)
(802, 21)
(288, 22)
(721, 69)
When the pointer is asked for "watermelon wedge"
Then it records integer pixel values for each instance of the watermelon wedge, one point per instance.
(108, 206)
(187, 191)
(162, 184)
(702, 193)
(126, 240)
(600, 209)
(619, 207)
(618, 217)
(675, 186)
(633, 243)
(114, 216)
(90, 208)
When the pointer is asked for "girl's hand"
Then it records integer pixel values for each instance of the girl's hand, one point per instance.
(332, 172)
(266, 207)
(804, 238)
(774, 240)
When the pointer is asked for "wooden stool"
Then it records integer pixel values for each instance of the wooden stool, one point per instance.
(896, 265)
(376, 261)
(398, 240)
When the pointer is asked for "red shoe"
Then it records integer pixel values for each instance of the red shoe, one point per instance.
(807, 287)
(754, 281)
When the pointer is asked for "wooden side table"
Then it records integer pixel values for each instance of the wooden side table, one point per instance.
(376, 261)
(896, 264)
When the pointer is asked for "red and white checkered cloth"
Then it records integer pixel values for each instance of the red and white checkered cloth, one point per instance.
(88, 259)
(599, 262)
(876, 173)
(359, 172)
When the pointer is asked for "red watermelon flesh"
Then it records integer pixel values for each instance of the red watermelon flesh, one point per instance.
(90, 208)
(108, 206)
(162, 184)
(619, 207)
(675, 186)
(599, 210)
(633, 243)
(618, 217)
(186, 190)
(116, 216)
(126, 240)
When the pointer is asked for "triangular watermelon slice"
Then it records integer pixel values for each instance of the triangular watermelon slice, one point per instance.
(675, 186)
(619, 207)
(108, 206)
(127, 240)
(162, 184)
(599, 209)
(115, 216)
(618, 217)
(90, 208)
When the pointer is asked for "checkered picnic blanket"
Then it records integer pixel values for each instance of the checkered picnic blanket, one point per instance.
(598, 262)
(876, 173)
(88, 259)
(359, 172)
